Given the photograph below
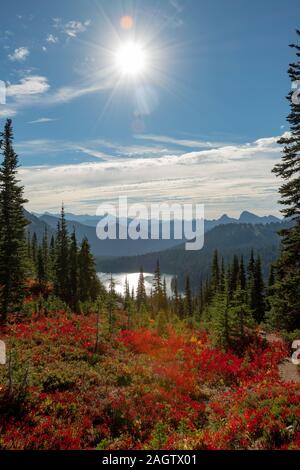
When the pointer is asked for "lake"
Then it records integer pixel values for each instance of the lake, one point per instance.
(133, 279)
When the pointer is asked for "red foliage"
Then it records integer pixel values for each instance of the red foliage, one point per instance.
(203, 397)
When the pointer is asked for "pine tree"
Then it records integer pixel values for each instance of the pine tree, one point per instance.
(256, 296)
(29, 252)
(165, 294)
(89, 284)
(200, 302)
(111, 304)
(74, 273)
(141, 297)
(222, 276)
(242, 275)
(271, 281)
(215, 273)
(62, 279)
(251, 265)
(285, 303)
(34, 249)
(157, 288)
(240, 318)
(219, 320)
(188, 302)
(45, 253)
(52, 258)
(157, 280)
(233, 276)
(127, 298)
(176, 300)
(41, 269)
(12, 230)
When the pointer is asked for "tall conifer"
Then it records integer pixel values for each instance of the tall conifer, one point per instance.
(12, 229)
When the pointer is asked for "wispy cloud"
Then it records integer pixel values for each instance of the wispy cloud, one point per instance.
(30, 85)
(72, 28)
(236, 177)
(177, 5)
(20, 54)
(7, 112)
(189, 143)
(34, 91)
(51, 39)
(70, 93)
(42, 120)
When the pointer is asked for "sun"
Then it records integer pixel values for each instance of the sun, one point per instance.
(131, 59)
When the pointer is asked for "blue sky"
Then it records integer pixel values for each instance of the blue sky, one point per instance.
(200, 125)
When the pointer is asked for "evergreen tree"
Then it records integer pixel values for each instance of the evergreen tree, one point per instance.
(111, 304)
(157, 288)
(176, 299)
(141, 297)
(271, 281)
(285, 303)
(52, 258)
(241, 318)
(127, 298)
(89, 284)
(12, 229)
(165, 294)
(270, 290)
(62, 271)
(256, 295)
(188, 302)
(45, 254)
(218, 317)
(242, 275)
(233, 276)
(29, 251)
(222, 276)
(200, 299)
(41, 269)
(251, 265)
(74, 273)
(34, 249)
(215, 273)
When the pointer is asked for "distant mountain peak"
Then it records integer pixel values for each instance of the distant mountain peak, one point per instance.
(247, 217)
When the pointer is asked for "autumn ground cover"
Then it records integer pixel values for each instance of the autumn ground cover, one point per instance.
(140, 390)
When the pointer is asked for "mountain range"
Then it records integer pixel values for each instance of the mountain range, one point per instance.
(227, 234)
(85, 225)
(245, 218)
(229, 239)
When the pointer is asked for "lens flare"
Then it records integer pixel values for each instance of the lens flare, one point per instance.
(126, 22)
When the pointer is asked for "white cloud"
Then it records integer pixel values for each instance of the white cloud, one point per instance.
(30, 85)
(33, 91)
(69, 93)
(52, 39)
(71, 28)
(179, 142)
(6, 112)
(42, 120)
(20, 54)
(231, 178)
